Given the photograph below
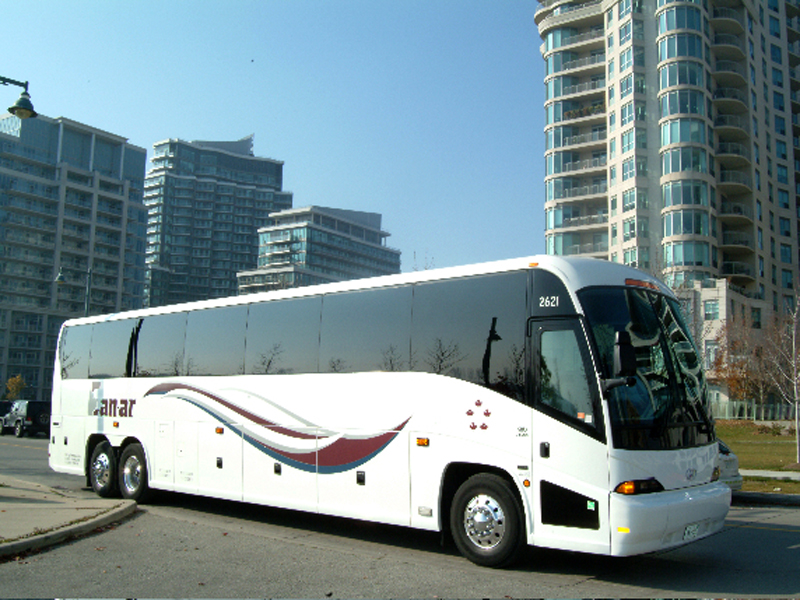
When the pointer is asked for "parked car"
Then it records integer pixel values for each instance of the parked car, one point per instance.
(5, 406)
(27, 416)
(729, 467)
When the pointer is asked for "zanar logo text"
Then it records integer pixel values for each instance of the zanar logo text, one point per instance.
(116, 408)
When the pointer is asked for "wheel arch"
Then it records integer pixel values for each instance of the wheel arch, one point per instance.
(457, 473)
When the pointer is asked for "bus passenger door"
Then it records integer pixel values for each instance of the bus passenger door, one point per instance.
(570, 455)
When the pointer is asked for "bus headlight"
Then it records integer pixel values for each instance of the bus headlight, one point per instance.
(715, 474)
(639, 486)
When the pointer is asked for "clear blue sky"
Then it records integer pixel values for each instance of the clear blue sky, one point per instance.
(429, 112)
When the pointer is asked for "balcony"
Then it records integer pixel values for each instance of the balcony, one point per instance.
(593, 164)
(727, 20)
(733, 182)
(737, 241)
(584, 139)
(732, 127)
(727, 46)
(587, 221)
(588, 114)
(741, 273)
(583, 63)
(735, 213)
(729, 73)
(733, 155)
(597, 87)
(730, 100)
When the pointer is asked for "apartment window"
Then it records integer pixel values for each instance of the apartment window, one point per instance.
(628, 229)
(710, 310)
(778, 102)
(786, 253)
(780, 125)
(783, 198)
(775, 54)
(774, 27)
(785, 226)
(624, 9)
(628, 138)
(627, 113)
(783, 174)
(777, 78)
(780, 149)
(626, 59)
(786, 279)
(625, 33)
(625, 86)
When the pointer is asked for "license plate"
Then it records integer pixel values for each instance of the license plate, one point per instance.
(691, 531)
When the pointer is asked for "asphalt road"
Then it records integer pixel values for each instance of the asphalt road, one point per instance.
(195, 547)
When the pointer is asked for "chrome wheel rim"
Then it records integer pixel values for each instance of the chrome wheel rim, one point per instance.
(101, 469)
(131, 474)
(484, 522)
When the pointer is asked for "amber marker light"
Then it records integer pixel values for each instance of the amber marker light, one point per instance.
(643, 284)
(116, 423)
(423, 442)
(219, 430)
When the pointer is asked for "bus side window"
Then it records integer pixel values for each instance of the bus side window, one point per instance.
(563, 381)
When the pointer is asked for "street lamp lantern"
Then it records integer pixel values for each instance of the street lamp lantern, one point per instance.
(60, 279)
(23, 107)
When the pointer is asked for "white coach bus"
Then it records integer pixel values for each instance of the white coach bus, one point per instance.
(545, 401)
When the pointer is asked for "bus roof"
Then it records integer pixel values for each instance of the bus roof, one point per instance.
(576, 272)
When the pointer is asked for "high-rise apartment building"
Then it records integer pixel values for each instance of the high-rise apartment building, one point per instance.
(315, 244)
(70, 210)
(671, 133)
(206, 202)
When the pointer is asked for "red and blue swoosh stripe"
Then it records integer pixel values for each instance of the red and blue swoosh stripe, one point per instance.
(342, 454)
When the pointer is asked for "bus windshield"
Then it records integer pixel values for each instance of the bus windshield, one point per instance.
(666, 408)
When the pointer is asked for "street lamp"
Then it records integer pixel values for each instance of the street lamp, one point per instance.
(23, 107)
(60, 279)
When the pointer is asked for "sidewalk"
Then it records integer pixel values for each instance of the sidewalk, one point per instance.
(34, 516)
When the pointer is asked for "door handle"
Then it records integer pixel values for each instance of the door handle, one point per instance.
(544, 449)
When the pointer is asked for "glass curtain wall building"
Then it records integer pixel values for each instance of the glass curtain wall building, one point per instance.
(206, 202)
(311, 245)
(671, 133)
(70, 210)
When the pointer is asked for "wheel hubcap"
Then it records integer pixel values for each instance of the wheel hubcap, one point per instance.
(101, 469)
(484, 522)
(131, 474)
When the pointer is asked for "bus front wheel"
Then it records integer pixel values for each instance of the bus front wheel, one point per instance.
(103, 470)
(133, 474)
(486, 521)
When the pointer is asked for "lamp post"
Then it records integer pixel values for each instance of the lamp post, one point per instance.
(23, 107)
(61, 279)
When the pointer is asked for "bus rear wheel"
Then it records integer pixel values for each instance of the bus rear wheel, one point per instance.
(133, 474)
(103, 470)
(486, 521)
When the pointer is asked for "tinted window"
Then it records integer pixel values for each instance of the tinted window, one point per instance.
(283, 336)
(113, 346)
(160, 347)
(473, 329)
(215, 341)
(366, 331)
(562, 376)
(73, 352)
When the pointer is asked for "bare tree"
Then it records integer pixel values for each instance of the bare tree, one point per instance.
(270, 359)
(392, 360)
(784, 348)
(742, 361)
(442, 357)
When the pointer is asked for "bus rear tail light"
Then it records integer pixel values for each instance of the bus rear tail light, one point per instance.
(639, 486)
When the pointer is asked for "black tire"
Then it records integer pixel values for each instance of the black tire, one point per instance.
(486, 521)
(103, 471)
(19, 430)
(133, 474)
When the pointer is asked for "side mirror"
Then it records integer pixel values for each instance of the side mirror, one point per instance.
(624, 363)
(624, 356)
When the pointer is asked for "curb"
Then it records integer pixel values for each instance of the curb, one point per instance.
(37, 541)
(764, 499)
